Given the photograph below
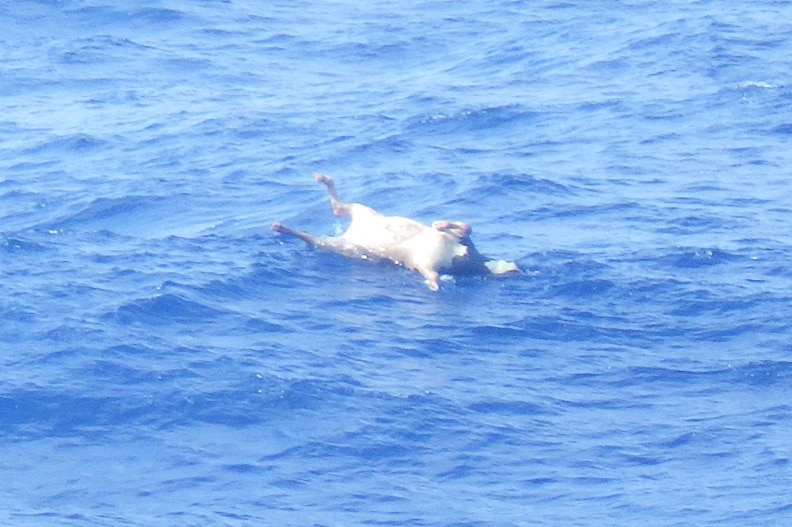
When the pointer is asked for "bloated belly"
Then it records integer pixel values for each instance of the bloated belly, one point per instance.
(381, 233)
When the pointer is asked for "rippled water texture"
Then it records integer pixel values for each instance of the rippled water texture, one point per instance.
(166, 359)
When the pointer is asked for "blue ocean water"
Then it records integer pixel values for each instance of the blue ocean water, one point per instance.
(167, 360)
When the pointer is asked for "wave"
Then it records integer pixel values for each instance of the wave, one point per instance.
(474, 120)
(693, 258)
(129, 15)
(18, 245)
(256, 400)
(143, 216)
(71, 144)
(167, 309)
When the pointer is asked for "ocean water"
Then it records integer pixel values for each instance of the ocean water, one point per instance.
(167, 360)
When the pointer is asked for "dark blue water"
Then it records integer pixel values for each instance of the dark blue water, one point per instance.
(167, 360)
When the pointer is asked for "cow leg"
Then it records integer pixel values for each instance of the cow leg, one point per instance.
(308, 238)
(339, 207)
